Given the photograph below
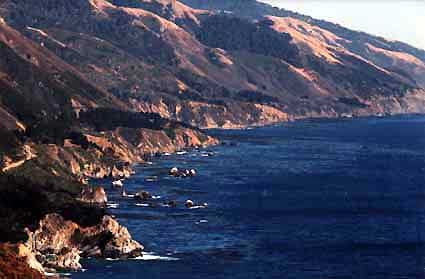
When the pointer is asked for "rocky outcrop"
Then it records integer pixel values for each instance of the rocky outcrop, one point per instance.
(14, 264)
(93, 195)
(107, 63)
(59, 244)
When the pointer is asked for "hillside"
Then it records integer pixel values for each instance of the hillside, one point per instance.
(253, 9)
(189, 64)
(58, 129)
(90, 87)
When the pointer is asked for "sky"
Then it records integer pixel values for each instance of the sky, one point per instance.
(402, 20)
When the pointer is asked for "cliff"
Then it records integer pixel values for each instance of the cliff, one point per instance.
(90, 87)
(46, 206)
(58, 130)
(53, 217)
(14, 266)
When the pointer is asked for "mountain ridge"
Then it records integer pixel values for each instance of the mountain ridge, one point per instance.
(90, 87)
(255, 9)
(186, 63)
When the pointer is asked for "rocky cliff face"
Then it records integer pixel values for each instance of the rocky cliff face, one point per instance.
(13, 264)
(47, 186)
(57, 130)
(90, 87)
(59, 244)
(58, 220)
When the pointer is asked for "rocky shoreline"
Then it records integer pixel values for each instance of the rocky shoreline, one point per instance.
(88, 88)
(59, 239)
(72, 221)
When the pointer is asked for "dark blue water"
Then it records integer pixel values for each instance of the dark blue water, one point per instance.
(312, 199)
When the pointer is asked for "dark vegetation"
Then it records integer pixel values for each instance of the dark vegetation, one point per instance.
(52, 130)
(76, 17)
(208, 91)
(352, 102)
(32, 193)
(103, 119)
(219, 95)
(233, 34)
(360, 76)
(253, 9)
(256, 97)
(67, 126)
(9, 140)
(138, 42)
(165, 11)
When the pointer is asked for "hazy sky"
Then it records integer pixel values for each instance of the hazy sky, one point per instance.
(402, 20)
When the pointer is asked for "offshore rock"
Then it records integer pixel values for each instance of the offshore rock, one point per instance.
(121, 245)
(125, 172)
(143, 195)
(59, 243)
(93, 195)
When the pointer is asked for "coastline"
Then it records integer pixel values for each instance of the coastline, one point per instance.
(91, 90)
(78, 225)
(70, 260)
(228, 236)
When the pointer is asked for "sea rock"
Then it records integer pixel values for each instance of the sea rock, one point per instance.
(58, 243)
(120, 245)
(189, 203)
(118, 183)
(143, 195)
(94, 195)
(68, 259)
(182, 172)
(174, 171)
(53, 234)
(125, 172)
(93, 252)
(101, 172)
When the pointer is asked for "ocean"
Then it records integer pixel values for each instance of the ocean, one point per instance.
(306, 199)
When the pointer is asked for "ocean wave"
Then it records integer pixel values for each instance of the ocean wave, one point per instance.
(112, 205)
(149, 256)
(198, 207)
(151, 179)
(54, 275)
(142, 204)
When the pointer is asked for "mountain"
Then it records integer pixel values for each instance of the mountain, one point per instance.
(397, 56)
(225, 63)
(252, 9)
(90, 87)
(57, 130)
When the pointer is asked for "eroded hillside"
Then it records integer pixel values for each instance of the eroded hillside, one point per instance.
(89, 87)
(215, 70)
